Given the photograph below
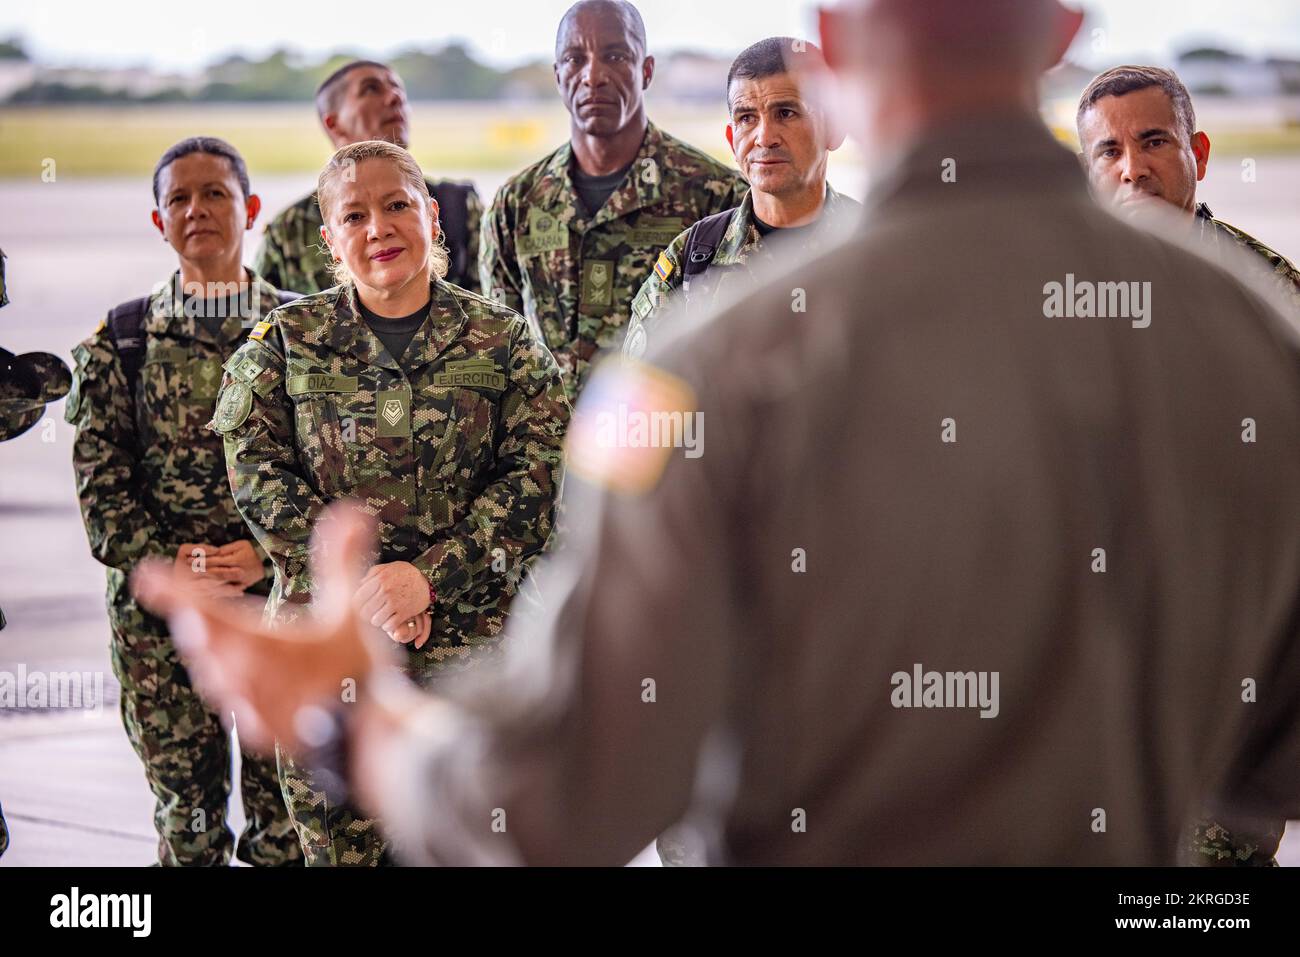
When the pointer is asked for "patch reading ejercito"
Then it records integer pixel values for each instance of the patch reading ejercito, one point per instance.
(475, 373)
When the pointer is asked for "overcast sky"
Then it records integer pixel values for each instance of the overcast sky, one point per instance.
(175, 35)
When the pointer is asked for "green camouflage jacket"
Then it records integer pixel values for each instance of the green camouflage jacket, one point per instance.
(574, 275)
(1216, 230)
(741, 245)
(456, 451)
(293, 256)
(150, 475)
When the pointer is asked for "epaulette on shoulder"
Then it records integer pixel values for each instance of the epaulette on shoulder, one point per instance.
(285, 312)
(1268, 252)
(496, 308)
(696, 154)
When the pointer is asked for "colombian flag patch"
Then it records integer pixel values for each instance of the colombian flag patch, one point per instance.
(259, 330)
(663, 267)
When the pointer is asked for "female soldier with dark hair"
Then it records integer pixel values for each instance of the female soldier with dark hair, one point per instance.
(152, 483)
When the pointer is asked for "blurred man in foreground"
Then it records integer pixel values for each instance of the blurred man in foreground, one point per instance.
(933, 594)
(1141, 147)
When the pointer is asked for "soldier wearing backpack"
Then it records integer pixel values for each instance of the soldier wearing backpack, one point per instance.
(364, 100)
(152, 482)
(781, 135)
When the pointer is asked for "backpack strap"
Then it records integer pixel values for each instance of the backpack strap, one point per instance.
(126, 328)
(453, 214)
(702, 242)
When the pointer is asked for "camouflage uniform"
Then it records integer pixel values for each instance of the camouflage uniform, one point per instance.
(150, 478)
(27, 384)
(293, 256)
(455, 450)
(742, 244)
(1214, 231)
(1212, 843)
(574, 275)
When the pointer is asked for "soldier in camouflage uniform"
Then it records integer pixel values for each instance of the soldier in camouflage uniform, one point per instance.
(451, 439)
(1137, 129)
(569, 240)
(364, 100)
(1215, 231)
(152, 484)
(742, 245)
(781, 138)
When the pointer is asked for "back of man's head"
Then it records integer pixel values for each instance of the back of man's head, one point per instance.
(904, 65)
(993, 35)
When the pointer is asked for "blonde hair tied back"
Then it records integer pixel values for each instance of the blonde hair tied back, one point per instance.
(342, 166)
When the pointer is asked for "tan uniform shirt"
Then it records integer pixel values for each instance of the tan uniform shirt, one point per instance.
(926, 484)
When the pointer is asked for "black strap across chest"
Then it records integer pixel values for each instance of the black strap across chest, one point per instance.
(126, 329)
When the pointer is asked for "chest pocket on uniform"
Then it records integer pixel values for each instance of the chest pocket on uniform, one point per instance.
(177, 392)
(325, 428)
(457, 428)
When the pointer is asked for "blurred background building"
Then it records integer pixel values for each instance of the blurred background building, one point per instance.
(91, 95)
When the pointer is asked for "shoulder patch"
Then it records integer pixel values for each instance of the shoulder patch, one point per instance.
(663, 267)
(103, 324)
(260, 330)
(631, 421)
(233, 407)
(245, 365)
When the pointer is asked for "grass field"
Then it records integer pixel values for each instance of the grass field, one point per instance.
(285, 138)
(282, 138)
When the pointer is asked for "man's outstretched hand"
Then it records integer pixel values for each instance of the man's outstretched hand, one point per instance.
(270, 677)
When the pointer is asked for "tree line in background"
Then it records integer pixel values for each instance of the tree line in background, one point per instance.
(452, 72)
(448, 73)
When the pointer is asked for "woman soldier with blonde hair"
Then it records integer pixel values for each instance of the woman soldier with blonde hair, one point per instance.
(439, 411)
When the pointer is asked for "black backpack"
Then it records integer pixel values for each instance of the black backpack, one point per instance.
(701, 243)
(126, 329)
(453, 213)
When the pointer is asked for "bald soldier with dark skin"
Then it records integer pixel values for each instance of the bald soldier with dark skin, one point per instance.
(568, 241)
(607, 118)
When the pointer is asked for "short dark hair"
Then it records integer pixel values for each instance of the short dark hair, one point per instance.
(630, 15)
(1129, 78)
(327, 94)
(203, 144)
(771, 57)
